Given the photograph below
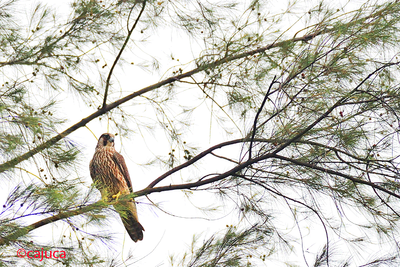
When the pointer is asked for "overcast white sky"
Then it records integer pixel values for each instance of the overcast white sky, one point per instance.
(165, 234)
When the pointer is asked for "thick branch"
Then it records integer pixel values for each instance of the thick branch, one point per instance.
(244, 140)
(11, 163)
(150, 189)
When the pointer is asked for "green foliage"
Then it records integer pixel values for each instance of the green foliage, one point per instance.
(233, 248)
(323, 151)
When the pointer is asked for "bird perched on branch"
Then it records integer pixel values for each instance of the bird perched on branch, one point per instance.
(110, 175)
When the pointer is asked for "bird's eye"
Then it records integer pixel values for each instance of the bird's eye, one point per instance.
(105, 138)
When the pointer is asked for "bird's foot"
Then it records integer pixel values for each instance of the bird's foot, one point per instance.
(116, 196)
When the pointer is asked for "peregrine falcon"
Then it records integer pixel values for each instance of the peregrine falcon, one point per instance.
(110, 175)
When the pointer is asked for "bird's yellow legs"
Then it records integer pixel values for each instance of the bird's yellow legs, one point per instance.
(116, 196)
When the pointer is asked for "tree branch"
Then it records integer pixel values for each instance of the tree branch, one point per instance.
(193, 160)
(151, 189)
(11, 163)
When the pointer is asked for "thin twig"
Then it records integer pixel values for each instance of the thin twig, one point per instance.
(130, 31)
(258, 114)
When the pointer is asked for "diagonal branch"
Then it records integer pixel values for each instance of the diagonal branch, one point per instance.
(11, 163)
(149, 190)
(194, 159)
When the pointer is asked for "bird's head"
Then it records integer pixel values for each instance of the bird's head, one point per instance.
(106, 140)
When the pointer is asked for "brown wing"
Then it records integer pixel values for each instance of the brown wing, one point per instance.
(129, 215)
(120, 161)
(93, 173)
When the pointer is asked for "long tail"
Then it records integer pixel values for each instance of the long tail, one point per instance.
(130, 220)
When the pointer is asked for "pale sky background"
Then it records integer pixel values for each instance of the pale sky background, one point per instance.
(165, 234)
